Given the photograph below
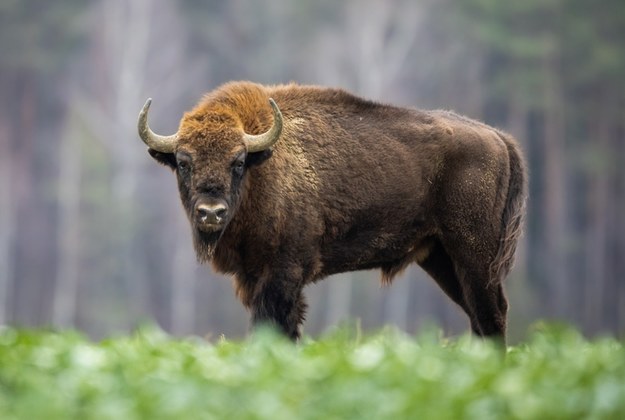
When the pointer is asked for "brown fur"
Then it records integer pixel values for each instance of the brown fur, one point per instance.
(350, 185)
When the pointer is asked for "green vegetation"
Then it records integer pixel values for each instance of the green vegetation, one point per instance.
(555, 374)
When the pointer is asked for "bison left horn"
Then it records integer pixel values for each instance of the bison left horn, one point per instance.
(163, 144)
(260, 142)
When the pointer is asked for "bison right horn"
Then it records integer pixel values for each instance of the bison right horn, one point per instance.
(260, 142)
(163, 144)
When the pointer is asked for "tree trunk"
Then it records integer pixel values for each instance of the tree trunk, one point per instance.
(555, 217)
(595, 236)
(66, 290)
(620, 250)
(7, 221)
(615, 206)
(183, 283)
(397, 304)
(339, 298)
(28, 215)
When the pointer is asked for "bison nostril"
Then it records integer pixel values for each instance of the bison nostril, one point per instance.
(201, 211)
(211, 213)
(221, 212)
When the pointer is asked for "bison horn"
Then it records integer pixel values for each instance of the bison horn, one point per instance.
(260, 142)
(163, 144)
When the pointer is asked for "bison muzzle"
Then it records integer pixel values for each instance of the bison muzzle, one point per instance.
(284, 185)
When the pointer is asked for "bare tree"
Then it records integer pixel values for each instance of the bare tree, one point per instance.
(555, 216)
(183, 281)
(339, 295)
(66, 290)
(7, 221)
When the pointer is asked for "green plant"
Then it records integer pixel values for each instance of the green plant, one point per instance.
(555, 374)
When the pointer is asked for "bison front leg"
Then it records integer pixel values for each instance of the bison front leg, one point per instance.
(279, 301)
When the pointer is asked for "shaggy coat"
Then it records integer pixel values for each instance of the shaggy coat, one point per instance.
(350, 185)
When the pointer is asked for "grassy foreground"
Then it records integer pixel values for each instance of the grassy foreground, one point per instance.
(557, 374)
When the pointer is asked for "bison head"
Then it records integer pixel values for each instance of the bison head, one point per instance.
(210, 155)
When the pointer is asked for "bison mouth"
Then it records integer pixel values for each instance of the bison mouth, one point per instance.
(205, 242)
(209, 228)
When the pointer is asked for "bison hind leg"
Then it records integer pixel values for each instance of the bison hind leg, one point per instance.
(466, 282)
(440, 267)
(484, 298)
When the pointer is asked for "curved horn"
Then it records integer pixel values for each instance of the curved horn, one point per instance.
(163, 144)
(260, 142)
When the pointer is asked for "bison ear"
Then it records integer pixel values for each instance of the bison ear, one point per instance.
(167, 159)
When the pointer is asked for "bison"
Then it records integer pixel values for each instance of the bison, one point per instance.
(284, 185)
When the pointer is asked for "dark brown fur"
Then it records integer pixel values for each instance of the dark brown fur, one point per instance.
(350, 185)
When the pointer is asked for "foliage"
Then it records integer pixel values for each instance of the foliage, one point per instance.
(555, 374)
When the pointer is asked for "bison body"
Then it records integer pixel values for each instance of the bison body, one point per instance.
(318, 181)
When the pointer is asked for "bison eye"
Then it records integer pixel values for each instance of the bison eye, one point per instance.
(184, 164)
(238, 164)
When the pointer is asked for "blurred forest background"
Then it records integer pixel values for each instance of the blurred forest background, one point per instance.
(92, 234)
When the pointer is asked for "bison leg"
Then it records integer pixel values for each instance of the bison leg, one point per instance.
(486, 313)
(488, 306)
(485, 299)
(440, 267)
(280, 304)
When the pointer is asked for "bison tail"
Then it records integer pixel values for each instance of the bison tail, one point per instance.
(513, 214)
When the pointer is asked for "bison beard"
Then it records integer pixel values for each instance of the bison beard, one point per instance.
(317, 181)
(204, 244)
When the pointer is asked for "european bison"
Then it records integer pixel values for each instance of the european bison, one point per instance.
(284, 185)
